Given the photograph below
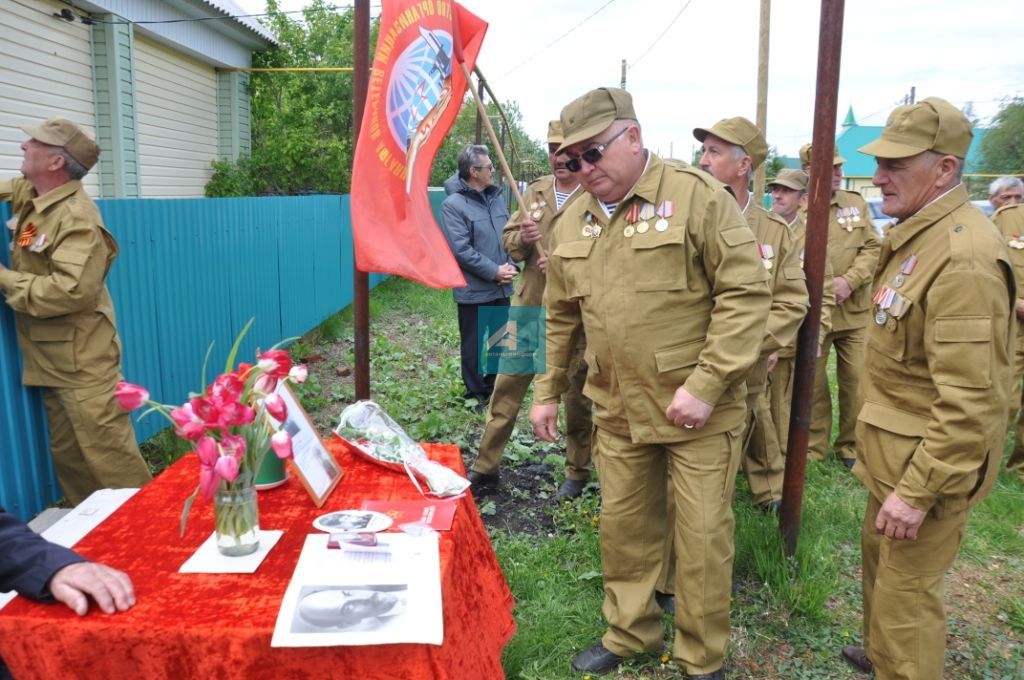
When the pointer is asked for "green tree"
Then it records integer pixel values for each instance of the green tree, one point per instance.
(1002, 147)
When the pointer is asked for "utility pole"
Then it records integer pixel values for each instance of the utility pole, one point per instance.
(762, 90)
(622, 81)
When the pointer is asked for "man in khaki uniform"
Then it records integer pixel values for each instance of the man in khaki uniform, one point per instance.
(1006, 190)
(731, 151)
(1010, 220)
(546, 198)
(789, 191)
(936, 391)
(661, 271)
(60, 256)
(852, 254)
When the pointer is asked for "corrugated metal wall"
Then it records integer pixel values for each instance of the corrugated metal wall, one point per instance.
(191, 271)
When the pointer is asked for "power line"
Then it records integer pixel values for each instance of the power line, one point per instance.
(651, 46)
(538, 52)
(82, 15)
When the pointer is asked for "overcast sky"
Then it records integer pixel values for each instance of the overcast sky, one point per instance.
(544, 53)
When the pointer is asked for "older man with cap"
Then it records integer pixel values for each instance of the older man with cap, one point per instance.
(936, 390)
(659, 268)
(789, 190)
(60, 257)
(731, 150)
(1006, 190)
(852, 253)
(546, 198)
(1010, 220)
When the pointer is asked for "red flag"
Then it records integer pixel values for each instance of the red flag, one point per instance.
(415, 92)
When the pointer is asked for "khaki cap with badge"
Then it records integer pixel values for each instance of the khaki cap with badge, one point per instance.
(805, 156)
(58, 131)
(591, 114)
(932, 124)
(742, 133)
(555, 135)
(791, 179)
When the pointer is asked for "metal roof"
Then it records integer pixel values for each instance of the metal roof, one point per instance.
(229, 8)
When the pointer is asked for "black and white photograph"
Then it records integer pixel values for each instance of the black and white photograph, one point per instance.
(317, 469)
(352, 520)
(361, 608)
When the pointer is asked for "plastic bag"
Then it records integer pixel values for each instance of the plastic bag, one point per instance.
(373, 433)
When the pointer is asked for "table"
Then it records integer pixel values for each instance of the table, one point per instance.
(220, 625)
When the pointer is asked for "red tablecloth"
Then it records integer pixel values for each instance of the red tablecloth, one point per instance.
(220, 625)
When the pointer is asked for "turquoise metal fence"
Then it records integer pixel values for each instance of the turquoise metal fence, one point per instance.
(190, 271)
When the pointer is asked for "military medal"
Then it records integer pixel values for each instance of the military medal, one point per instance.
(767, 254)
(881, 317)
(646, 213)
(27, 235)
(890, 324)
(840, 216)
(1016, 242)
(856, 214)
(642, 228)
(629, 231)
(664, 212)
(590, 230)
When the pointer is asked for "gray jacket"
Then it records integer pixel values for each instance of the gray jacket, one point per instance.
(472, 222)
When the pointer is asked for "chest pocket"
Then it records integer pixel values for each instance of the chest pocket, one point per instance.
(889, 340)
(659, 260)
(965, 350)
(576, 266)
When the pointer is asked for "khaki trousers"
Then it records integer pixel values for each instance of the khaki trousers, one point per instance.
(904, 619)
(503, 410)
(763, 463)
(849, 362)
(1016, 460)
(92, 441)
(633, 529)
(780, 400)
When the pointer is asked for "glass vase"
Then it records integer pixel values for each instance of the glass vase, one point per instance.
(236, 517)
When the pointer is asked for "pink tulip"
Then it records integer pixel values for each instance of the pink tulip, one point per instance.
(205, 409)
(130, 396)
(265, 384)
(232, 445)
(275, 362)
(189, 427)
(227, 468)
(298, 374)
(276, 407)
(281, 442)
(227, 388)
(208, 453)
(234, 413)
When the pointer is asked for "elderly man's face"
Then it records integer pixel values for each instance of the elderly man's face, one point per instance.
(614, 174)
(557, 160)
(785, 201)
(1010, 196)
(720, 158)
(907, 184)
(38, 158)
(837, 176)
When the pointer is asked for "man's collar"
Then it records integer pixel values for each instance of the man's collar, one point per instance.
(904, 230)
(55, 195)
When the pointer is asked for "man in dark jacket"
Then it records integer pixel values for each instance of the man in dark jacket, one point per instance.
(40, 570)
(472, 219)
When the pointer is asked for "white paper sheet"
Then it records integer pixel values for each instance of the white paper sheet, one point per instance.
(208, 560)
(363, 597)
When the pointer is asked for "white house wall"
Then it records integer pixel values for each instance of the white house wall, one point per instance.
(176, 98)
(45, 70)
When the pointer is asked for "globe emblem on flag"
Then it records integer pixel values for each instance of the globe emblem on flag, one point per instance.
(420, 81)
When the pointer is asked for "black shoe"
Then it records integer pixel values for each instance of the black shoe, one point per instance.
(666, 601)
(858, 658)
(570, 488)
(482, 481)
(849, 462)
(597, 660)
(713, 675)
(770, 508)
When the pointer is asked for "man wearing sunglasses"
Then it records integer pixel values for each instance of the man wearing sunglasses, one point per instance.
(731, 151)
(472, 219)
(659, 269)
(546, 198)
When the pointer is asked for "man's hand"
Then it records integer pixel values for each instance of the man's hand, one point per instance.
(529, 232)
(506, 272)
(76, 583)
(898, 520)
(773, 361)
(542, 264)
(842, 290)
(1020, 306)
(544, 418)
(688, 411)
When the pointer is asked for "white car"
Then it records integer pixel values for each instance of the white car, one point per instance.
(881, 220)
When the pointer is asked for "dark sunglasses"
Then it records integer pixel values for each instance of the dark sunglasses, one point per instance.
(591, 155)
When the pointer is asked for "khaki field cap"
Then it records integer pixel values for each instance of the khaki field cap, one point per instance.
(805, 156)
(933, 124)
(742, 133)
(59, 131)
(555, 132)
(591, 114)
(791, 179)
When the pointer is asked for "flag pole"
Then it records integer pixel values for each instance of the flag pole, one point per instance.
(457, 49)
(361, 280)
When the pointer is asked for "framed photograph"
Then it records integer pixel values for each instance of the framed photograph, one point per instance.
(316, 468)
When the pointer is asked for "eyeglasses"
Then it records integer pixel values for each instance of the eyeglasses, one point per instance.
(593, 154)
(488, 168)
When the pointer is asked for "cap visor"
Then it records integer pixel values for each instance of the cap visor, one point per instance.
(881, 148)
(40, 134)
(585, 133)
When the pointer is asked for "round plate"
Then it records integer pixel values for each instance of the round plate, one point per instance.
(274, 485)
(352, 520)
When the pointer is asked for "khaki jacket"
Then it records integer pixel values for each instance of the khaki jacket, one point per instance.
(798, 230)
(938, 359)
(686, 305)
(60, 257)
(540, 193)
(852, 252)
(1010, 220)
(787, 282)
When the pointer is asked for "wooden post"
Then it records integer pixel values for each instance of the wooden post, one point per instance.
(762, 91)
(361, 280)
